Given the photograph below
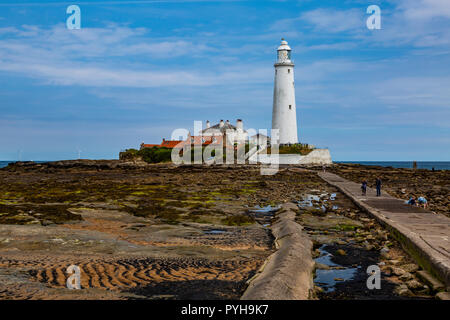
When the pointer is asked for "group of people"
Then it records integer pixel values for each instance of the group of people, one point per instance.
(377, 185)
(421, 201)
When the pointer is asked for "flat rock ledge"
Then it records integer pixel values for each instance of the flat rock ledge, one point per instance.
(288, 273)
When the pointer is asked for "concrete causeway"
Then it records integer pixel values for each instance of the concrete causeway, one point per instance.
(425, 235)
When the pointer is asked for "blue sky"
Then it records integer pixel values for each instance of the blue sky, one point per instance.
(137, 71)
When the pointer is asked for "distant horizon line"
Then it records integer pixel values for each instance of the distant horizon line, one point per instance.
(333, 160)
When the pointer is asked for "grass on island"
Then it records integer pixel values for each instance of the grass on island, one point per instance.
(297, 148)
(162, 154)
(149, 155)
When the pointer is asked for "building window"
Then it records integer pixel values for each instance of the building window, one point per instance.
(290, 107)
(289, 70)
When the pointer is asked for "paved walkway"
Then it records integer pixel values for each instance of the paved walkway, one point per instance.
(426, 236)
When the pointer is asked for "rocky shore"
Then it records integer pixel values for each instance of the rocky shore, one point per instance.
(136, 230)
(346, 242)
(141, 231)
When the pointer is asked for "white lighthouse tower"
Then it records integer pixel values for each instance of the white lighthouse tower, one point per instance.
(284, 116)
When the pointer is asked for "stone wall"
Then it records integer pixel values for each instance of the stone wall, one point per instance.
(316, 157)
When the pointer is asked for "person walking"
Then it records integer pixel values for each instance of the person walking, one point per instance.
(364, 187)
(378, 185)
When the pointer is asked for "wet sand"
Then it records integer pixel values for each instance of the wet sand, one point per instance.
(136, 232)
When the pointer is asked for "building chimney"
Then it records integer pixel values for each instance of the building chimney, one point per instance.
(221, 124)
(239, 125)
(208, 124)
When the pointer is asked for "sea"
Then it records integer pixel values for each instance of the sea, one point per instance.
(429, 165)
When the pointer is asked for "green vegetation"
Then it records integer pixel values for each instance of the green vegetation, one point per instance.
(162, 154)
(298, 148)
(155, 154)
(30, 214)
(346, 227)
(238, 220)
(149, 155)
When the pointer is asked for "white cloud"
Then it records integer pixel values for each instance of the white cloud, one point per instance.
(328, 20)
(324, 69)
(67, 74)
(415, 91)
(426, 9)
(328, 46)
(422, 23)
(86, 57)
(334, 20)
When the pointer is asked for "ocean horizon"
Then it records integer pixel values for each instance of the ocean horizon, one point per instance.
(429, 165)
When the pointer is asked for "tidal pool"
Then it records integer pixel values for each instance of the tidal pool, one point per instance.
(327, 279)
(215, 231)
(263, 215)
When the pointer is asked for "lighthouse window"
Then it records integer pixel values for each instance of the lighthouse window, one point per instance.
(290, 107)
(289, 70)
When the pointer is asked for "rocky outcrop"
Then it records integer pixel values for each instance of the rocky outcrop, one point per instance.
(76, 164)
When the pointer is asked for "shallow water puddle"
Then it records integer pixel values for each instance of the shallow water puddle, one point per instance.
(308, 200)
(266, 209)
(214, 231)
(327, 279)
(318, 201)
(264, 215)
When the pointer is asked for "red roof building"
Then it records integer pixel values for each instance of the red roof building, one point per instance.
(143, 145)
(170, 144)
(193, 140)
(212, 135)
